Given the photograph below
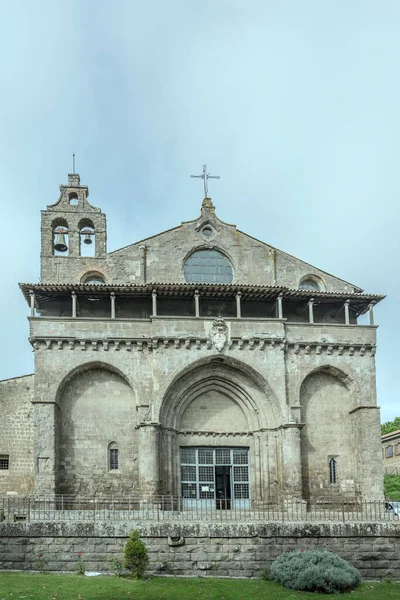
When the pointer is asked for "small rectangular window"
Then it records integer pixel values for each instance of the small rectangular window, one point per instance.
(389, 451)
(332, 471)
(398, 449)
(4, 462)
(113, 459)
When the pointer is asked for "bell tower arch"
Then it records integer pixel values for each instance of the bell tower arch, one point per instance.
(73, 235)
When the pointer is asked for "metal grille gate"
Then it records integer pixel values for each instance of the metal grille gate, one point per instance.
(215, 477)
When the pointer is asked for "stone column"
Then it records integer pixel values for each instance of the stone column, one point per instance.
(148, 442)
(311, 310)
(347, 312)
(238, 305)
(280, 309)
(371, 314)
(46, 450)
(154, 302)
(73, 295)
(197, 303)
(112, 295)
(32, 295)
(291, 459)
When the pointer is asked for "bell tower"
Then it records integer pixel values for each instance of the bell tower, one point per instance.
(73, 236)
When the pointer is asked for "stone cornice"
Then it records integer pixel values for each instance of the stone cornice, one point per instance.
(198, 343)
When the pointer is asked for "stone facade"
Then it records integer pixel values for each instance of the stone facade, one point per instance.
(391, 452)
(150, 356)
(198, 549)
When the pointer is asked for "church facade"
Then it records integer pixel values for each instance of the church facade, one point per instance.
(200, 363)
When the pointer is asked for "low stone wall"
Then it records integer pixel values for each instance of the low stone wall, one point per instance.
(233, 549)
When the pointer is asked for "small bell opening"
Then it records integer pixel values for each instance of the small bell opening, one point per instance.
(60, 243)
(87, 236)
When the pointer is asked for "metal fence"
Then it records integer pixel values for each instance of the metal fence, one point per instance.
(172, 508)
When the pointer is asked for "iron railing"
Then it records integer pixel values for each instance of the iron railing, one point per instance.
(172, 508)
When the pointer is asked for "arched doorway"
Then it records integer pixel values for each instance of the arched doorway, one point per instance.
(216, 422)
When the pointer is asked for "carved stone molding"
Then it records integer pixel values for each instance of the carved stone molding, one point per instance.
(219, 342)
(332, 349)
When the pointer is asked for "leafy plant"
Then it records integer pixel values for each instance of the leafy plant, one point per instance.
(116, 566)
(314, 571)
(136, 557)
(80, 567)
(41, 563)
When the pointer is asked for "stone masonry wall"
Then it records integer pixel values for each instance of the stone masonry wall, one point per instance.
(233, 549)
(16, 434)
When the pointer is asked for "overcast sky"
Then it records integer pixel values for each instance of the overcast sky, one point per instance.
(294, 104)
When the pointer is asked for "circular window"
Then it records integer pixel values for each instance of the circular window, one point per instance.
(208, 266)
(207, 232)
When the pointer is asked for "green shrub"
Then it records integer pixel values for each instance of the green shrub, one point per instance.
(314, 571)
(136, 558)
(392, 487)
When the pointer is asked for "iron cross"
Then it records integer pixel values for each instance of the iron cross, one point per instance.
(205, 176)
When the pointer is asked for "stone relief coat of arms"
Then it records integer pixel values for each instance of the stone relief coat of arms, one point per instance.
(219, 334)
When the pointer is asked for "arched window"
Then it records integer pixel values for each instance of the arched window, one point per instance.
(87, 240)
(332, 471)
(113, 457)
(208, 266)
(311, 282)
(73, 199)
(93, 279)
(60, 237)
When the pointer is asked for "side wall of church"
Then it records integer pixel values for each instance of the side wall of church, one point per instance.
(17, 434)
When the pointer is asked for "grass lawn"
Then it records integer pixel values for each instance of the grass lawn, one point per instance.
(16, 586)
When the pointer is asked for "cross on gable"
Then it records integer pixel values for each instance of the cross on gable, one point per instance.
(205, 177)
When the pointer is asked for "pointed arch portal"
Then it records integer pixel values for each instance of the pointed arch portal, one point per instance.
(215, 421)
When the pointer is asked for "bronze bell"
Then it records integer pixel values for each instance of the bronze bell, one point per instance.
(59, 243)
(88, 238)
